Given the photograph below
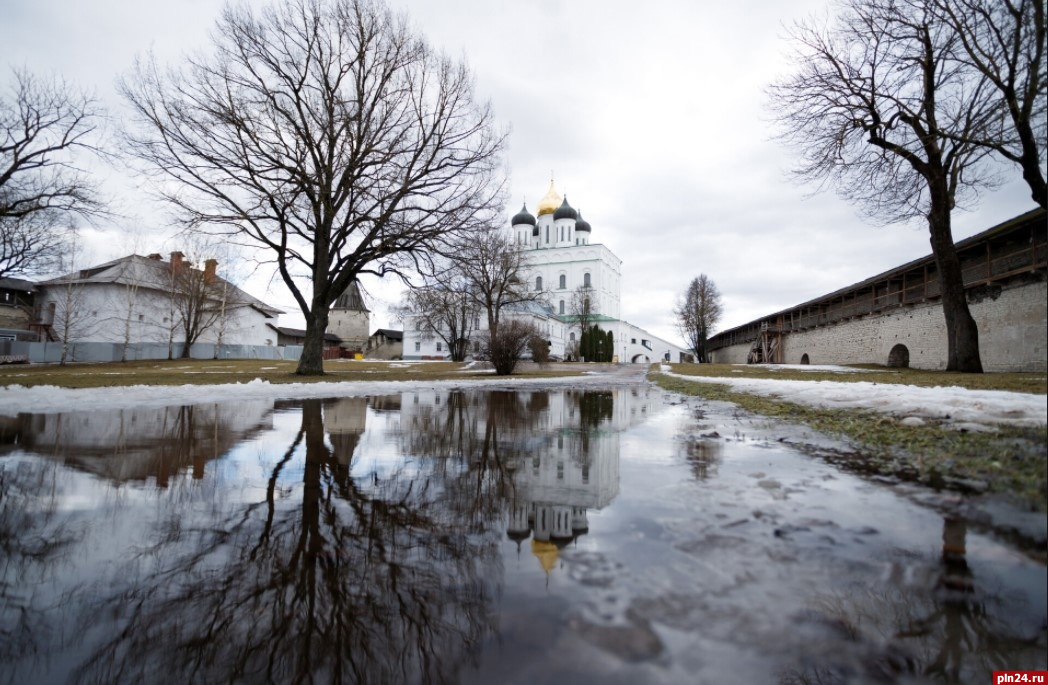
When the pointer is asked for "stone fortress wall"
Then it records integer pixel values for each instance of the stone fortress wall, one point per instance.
(1005, 277)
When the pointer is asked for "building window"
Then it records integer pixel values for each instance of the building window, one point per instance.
(538, 283)
(563, 281)
(439, 347)
(586, 280)
(571, 337)
(418, 347)
(562, 306)
(547, 234)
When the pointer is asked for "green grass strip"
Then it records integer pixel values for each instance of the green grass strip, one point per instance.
(1013, 460)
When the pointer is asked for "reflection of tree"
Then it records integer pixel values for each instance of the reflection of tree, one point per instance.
(32, 541)
(595, 408)
(703, 454)
(331, 578)
(951, 632)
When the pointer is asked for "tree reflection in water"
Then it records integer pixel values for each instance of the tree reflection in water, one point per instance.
(333, 579)
(944, 627)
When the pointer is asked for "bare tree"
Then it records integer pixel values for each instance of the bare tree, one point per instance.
(68, 310)
(698, 309)
(868, 107)
(199, 299)
(483, 275)
(326, 133)
(496, 270)
(508, 343)
(583, 307)
(444, 309)
(43, 124)
(1005, 41)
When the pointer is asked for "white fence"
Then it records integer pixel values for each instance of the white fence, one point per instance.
(51, 352)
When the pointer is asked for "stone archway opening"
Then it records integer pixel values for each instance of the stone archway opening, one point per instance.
(640, 359)
(804, 359)
(899, 357)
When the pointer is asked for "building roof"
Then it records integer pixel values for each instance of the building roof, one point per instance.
(152, 273)
(17, 284)
(565, 211)
(582, 225)
(351, 299)
(389, 334)
(523, 217)
(301, 333)
(549, 203)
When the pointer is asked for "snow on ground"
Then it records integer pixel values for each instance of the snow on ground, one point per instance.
(959, 407)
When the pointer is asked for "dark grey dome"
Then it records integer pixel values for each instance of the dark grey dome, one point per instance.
(565, 211)
(523, 217)
(582, 224)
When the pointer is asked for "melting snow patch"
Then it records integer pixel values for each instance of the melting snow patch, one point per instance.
(958, 406)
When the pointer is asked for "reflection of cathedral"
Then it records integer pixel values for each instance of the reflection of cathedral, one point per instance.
(560, 451)
(573, 471)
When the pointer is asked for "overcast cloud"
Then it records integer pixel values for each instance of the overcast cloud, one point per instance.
(650, 115)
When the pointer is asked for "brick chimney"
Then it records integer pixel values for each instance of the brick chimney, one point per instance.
(176, 263)
(209, 270)
(155, 257)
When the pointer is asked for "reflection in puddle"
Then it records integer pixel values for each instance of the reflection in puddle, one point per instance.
(451, 536)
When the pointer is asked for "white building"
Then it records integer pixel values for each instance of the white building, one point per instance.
(133, 298)
(562, 258)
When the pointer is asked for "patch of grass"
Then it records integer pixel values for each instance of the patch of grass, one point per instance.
(1013, 461)
(1029, 382)
(215, 372)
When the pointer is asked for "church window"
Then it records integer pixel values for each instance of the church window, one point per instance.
(418, 346)
(561, 307)
(439, 348)
(538, 283)
(586, 280)
(572, 336)
(547, 234)
(563, 282)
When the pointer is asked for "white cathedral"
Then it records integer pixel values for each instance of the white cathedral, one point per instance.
(562, 258)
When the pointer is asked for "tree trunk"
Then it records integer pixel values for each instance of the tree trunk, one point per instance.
(1031, 167)
(311, 363)
(961, 331)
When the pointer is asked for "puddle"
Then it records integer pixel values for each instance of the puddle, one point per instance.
(597, 536)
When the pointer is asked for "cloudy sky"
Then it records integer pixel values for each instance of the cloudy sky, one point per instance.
(651, 117)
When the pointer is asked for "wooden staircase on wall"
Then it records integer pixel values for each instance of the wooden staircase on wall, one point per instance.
(767, 348)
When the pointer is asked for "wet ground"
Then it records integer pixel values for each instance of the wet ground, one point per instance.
(597, 535)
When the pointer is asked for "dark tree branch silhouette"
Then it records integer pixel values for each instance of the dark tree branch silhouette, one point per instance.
(43, 125)
(328, 135)
(868, 107)
(1005, 41)
(697, 312)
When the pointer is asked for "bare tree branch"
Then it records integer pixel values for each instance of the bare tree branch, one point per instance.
(879, 108)
(327, 134)
(43, 125)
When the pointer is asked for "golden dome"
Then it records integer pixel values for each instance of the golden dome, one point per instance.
(551, 202)
(546, 553)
